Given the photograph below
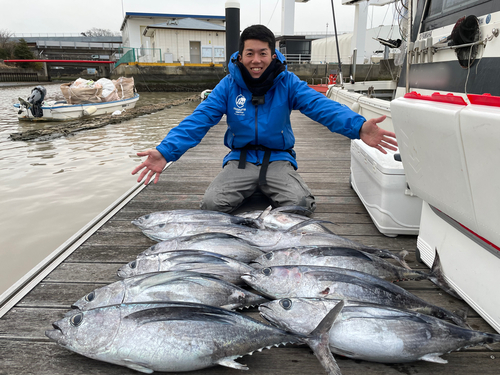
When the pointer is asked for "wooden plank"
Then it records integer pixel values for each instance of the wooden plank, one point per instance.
(47, 358)
(324, 163)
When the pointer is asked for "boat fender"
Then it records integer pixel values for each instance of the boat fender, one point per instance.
(89, 110)
(355, 107)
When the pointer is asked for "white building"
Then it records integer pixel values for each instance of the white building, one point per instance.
(175, 37)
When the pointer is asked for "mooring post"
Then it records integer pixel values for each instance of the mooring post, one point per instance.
(232, 28)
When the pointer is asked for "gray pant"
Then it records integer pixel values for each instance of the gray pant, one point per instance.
(284, 187)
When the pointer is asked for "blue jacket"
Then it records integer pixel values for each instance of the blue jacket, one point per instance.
(266, 124)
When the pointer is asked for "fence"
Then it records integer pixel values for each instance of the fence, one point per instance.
(77, 45)
(143, 55)
(19, 77)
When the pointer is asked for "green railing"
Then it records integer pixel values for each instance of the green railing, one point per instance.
(128, 55)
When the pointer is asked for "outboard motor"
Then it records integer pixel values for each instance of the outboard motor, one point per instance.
(35, 100)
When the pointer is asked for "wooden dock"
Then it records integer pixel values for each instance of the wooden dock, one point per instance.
(324, 161)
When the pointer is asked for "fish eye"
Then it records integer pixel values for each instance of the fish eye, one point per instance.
(146, 217)
(161, 225)
(90, 297)
(133, 264)
(76, 320)
(286, 303)
(266, 271)
(269, 256)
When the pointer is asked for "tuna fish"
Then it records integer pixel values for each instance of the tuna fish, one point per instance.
(330, 282)
(374, 332)
(171, 286)
(220, 243)
(178, 337)
(352, 259)
(162, 217)
(266, 240)
(282, 219)
(188, 260)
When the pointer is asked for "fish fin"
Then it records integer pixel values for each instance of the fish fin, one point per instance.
(259, 222)
(307, 222)
(319, 340)
(295, 209)
(200, 258)
(154, 279)
(138, 367)
(163, 314)
(438, 277)
(401, 259)
(433, 357)
(232, 364)
(462, 313)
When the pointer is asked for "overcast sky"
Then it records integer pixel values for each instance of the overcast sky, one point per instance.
(64, 16)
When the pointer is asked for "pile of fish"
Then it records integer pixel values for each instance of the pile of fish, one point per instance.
(175, 307)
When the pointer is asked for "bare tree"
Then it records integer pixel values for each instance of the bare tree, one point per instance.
(6, 44)
(5, 35)
(99, 32)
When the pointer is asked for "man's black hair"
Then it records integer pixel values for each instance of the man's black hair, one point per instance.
(258, 32)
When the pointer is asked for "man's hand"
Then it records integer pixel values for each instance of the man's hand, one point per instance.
(377, 137)
(153, 165)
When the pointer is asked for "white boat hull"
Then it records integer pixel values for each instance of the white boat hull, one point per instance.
(61, 111)
(469, 264)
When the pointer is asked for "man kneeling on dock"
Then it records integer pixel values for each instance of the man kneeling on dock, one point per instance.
(258, 96)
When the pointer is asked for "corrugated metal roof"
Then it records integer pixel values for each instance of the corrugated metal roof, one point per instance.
(186, 24)
(135, 14)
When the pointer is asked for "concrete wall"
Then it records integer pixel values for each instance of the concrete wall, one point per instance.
(171, 78)
(199, 78)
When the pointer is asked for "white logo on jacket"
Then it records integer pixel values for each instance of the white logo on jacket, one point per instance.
(240, 103)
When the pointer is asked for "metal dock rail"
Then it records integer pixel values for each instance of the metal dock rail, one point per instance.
(324, 162)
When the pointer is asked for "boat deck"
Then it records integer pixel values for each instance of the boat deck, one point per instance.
(324, 161)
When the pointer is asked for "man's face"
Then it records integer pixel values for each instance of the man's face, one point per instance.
(256, 57)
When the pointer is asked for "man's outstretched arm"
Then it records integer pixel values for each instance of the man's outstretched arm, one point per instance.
(376, 137)
(153, 166)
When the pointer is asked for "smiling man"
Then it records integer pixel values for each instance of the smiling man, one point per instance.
(258, 96)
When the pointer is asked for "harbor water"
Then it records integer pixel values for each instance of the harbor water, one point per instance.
(50, 189)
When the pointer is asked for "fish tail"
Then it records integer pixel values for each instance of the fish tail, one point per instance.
(437, 277)
(401, 259)
(445, 314)
(319, 341)
(259, 222)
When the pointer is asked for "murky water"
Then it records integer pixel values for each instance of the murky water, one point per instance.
(50, 189)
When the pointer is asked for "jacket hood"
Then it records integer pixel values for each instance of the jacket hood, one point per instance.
(236, 73)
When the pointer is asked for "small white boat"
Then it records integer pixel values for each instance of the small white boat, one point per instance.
(62, 111)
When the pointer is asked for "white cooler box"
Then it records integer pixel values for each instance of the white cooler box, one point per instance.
(379, 180)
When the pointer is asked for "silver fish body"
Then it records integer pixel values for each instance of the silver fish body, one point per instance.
(170, 286)
(169, 231)
(220, 243)
(162, 217)
(299, 239)
(340, 257)
(173, 337)
(188, 260)
(265, 239)
(330, 282)
(374, 332)
(280, 219)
